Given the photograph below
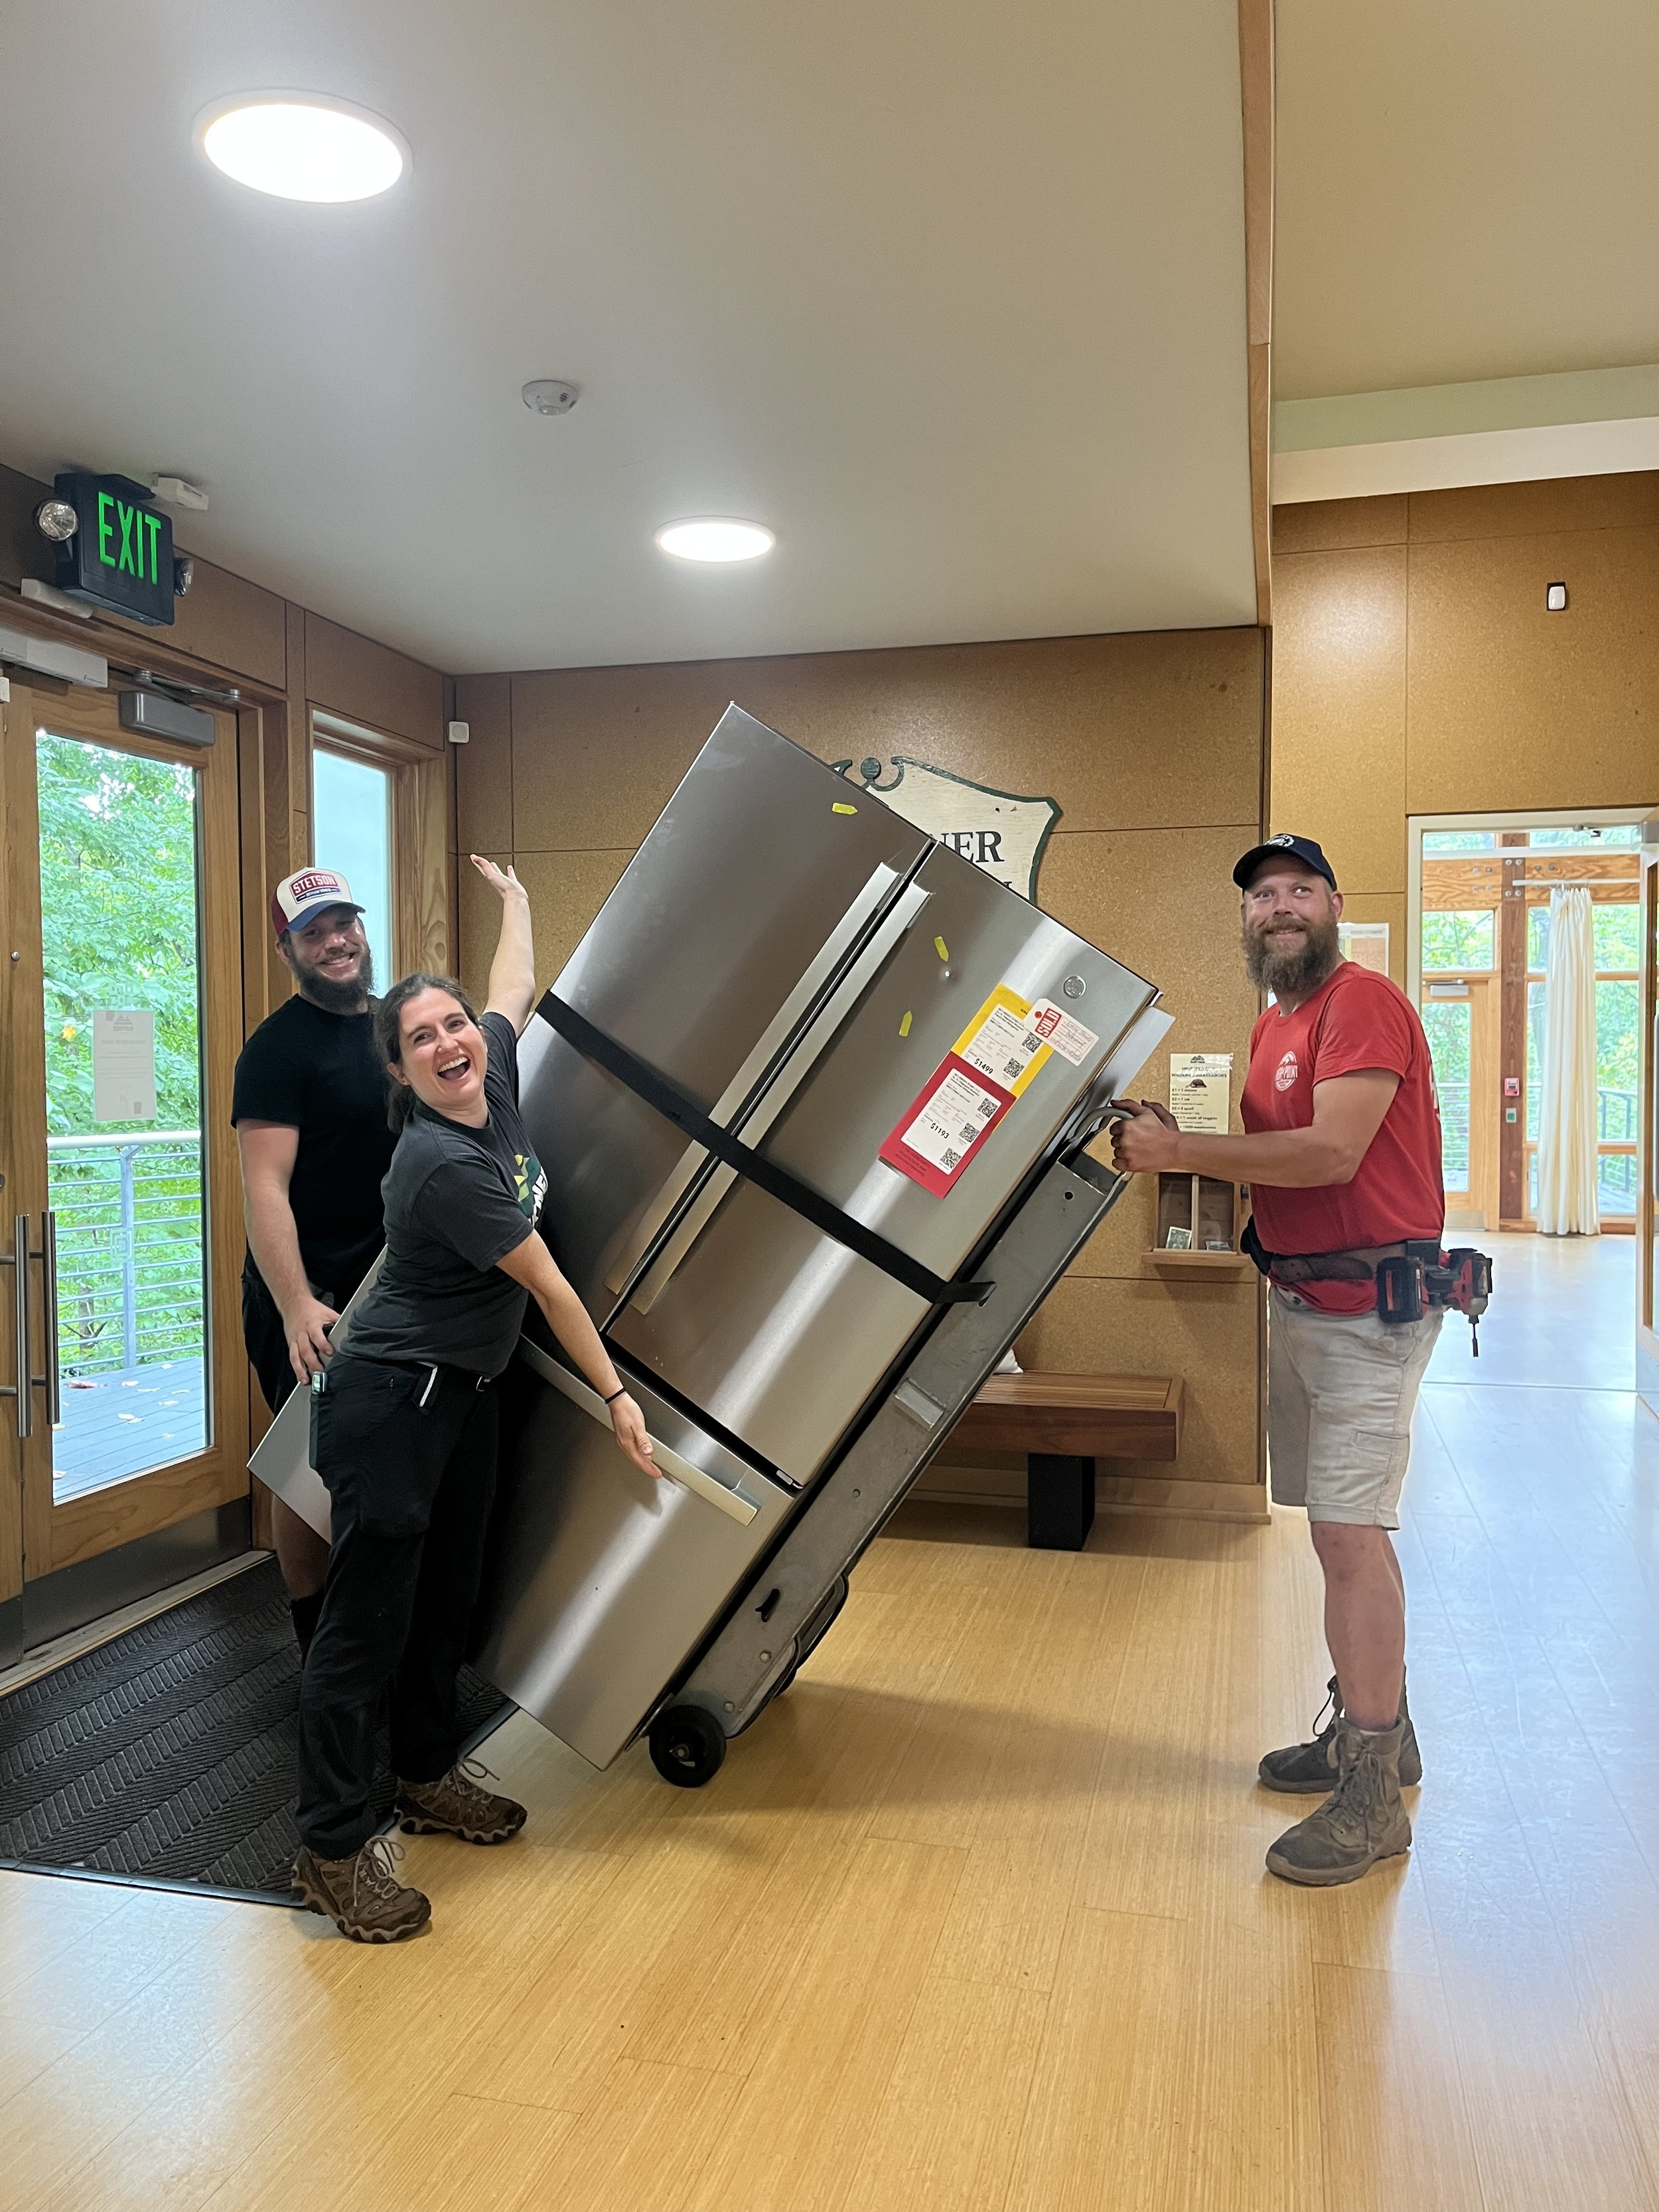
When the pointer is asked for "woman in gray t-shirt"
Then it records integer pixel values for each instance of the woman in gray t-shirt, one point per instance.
(406, 1436)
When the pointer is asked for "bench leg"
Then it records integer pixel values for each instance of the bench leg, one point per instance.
(1059, 1501)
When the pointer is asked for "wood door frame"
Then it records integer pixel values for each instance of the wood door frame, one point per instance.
(55, 1536)
(1647, 1193)
(420, 834)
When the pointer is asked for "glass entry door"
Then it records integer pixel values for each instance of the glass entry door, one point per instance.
(126, 1403)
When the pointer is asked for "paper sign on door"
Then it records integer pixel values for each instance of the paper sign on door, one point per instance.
(992, 1061)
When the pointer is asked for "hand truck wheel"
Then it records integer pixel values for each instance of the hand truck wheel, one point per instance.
(687, 1745)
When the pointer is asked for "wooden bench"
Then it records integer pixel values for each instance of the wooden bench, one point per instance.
(1063, 1424)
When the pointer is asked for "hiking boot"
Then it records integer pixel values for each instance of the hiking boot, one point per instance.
(1361, 1821)
(361, 1895)
(454, 1805)
(1310, 1768)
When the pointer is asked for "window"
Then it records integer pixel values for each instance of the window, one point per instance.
(1447, 1028)
(1458, 840)
(1617, 1051)
(1460, 941)
(351, 831)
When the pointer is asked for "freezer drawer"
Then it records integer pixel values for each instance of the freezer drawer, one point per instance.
(602, 1582)
(779, 1334)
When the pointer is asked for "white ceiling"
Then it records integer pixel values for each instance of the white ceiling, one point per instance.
(1467, 189)
(949, 293)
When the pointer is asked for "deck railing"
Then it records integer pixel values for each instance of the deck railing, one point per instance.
(130, 1277)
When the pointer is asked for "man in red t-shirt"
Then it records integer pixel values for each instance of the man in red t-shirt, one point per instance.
(1342, 1156)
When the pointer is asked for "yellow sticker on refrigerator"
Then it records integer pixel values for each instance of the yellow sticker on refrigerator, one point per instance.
(1010, 1037)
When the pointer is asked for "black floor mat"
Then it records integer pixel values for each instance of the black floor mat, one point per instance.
(168, 1753)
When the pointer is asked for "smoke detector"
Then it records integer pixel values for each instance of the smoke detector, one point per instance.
(549, 395)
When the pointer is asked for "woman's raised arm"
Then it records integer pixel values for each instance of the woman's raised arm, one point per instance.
(513, 971)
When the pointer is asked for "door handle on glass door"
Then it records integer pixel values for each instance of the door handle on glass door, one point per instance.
(767, 1045)
(791, 1076)
(732, 1502)
(18, 1260)
(49, 1320)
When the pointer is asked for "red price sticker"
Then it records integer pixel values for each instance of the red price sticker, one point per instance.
(946, 1123)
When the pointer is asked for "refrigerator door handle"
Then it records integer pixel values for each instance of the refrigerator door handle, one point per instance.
(791, 1076)
(732, 1502)
(771, 1041)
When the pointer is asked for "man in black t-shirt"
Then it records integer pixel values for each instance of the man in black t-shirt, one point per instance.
(310, 1113)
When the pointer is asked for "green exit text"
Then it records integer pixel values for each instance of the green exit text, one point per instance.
(140, 536)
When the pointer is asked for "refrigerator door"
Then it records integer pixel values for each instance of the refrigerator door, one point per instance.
(602, 1582)
(761, 879)
(778, 1334)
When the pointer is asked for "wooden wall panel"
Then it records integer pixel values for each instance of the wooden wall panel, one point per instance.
(1531, 708)
(1523, 510)
(1332, 526)
(1136, 731)
(353, 676)
(1338, 710)
(483, 766)
(226, 621)
(1417, 671)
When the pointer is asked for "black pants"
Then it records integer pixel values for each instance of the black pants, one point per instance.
(409, 1457)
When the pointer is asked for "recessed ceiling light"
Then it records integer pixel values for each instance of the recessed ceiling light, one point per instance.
(716, 538)
(302, 145)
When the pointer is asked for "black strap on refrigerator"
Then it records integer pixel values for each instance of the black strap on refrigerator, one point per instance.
(666, 1099)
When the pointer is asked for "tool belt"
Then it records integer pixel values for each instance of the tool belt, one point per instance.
(1412, 1278)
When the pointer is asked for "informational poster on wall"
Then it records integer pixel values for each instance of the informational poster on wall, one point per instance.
(1200, 1091)
(123, 1065)
(1365, 942)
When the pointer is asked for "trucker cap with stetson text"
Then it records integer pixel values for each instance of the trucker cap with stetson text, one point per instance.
(1284, 846)
(300, 897)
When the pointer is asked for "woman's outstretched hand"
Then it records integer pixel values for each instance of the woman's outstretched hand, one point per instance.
(503, 883)
(628, 1424)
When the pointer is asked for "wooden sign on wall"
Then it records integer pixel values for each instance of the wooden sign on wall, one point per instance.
(1003, 832)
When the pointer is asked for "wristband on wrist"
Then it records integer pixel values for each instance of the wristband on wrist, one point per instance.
(621, 1391)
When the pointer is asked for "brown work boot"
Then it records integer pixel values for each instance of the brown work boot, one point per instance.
(1361, 1821)
(454, 1805)
(361, 1895)
(1310, 1768)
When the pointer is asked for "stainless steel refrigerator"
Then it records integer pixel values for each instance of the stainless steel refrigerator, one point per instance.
(812, 1095)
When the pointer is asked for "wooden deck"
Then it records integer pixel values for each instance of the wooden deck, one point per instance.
(117, 1425)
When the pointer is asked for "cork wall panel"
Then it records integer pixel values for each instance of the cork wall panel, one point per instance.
(1164, 903)
(597, 751)
(1206, 1333)
(567, 890)
(480, 912)
(1329, 526)
(352, 676)
(1511, 707)
(1339, 711)
(1147, 731)
(1627, 501)
(483, 766)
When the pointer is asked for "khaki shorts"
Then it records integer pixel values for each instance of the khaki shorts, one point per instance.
(1341, 1391)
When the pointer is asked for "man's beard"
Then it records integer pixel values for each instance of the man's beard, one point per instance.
(334, 993)
(1293, 974)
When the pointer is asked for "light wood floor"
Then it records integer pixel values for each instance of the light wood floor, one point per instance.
(975, 1920)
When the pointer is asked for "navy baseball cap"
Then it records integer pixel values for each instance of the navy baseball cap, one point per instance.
(1283, 848)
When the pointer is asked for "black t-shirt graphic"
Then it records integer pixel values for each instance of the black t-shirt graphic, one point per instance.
(456, 1200)
(319, 1073)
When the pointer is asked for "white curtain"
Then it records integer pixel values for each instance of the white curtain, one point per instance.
(1566, 1118)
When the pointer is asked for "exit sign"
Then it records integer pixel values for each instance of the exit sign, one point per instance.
(121, 555)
